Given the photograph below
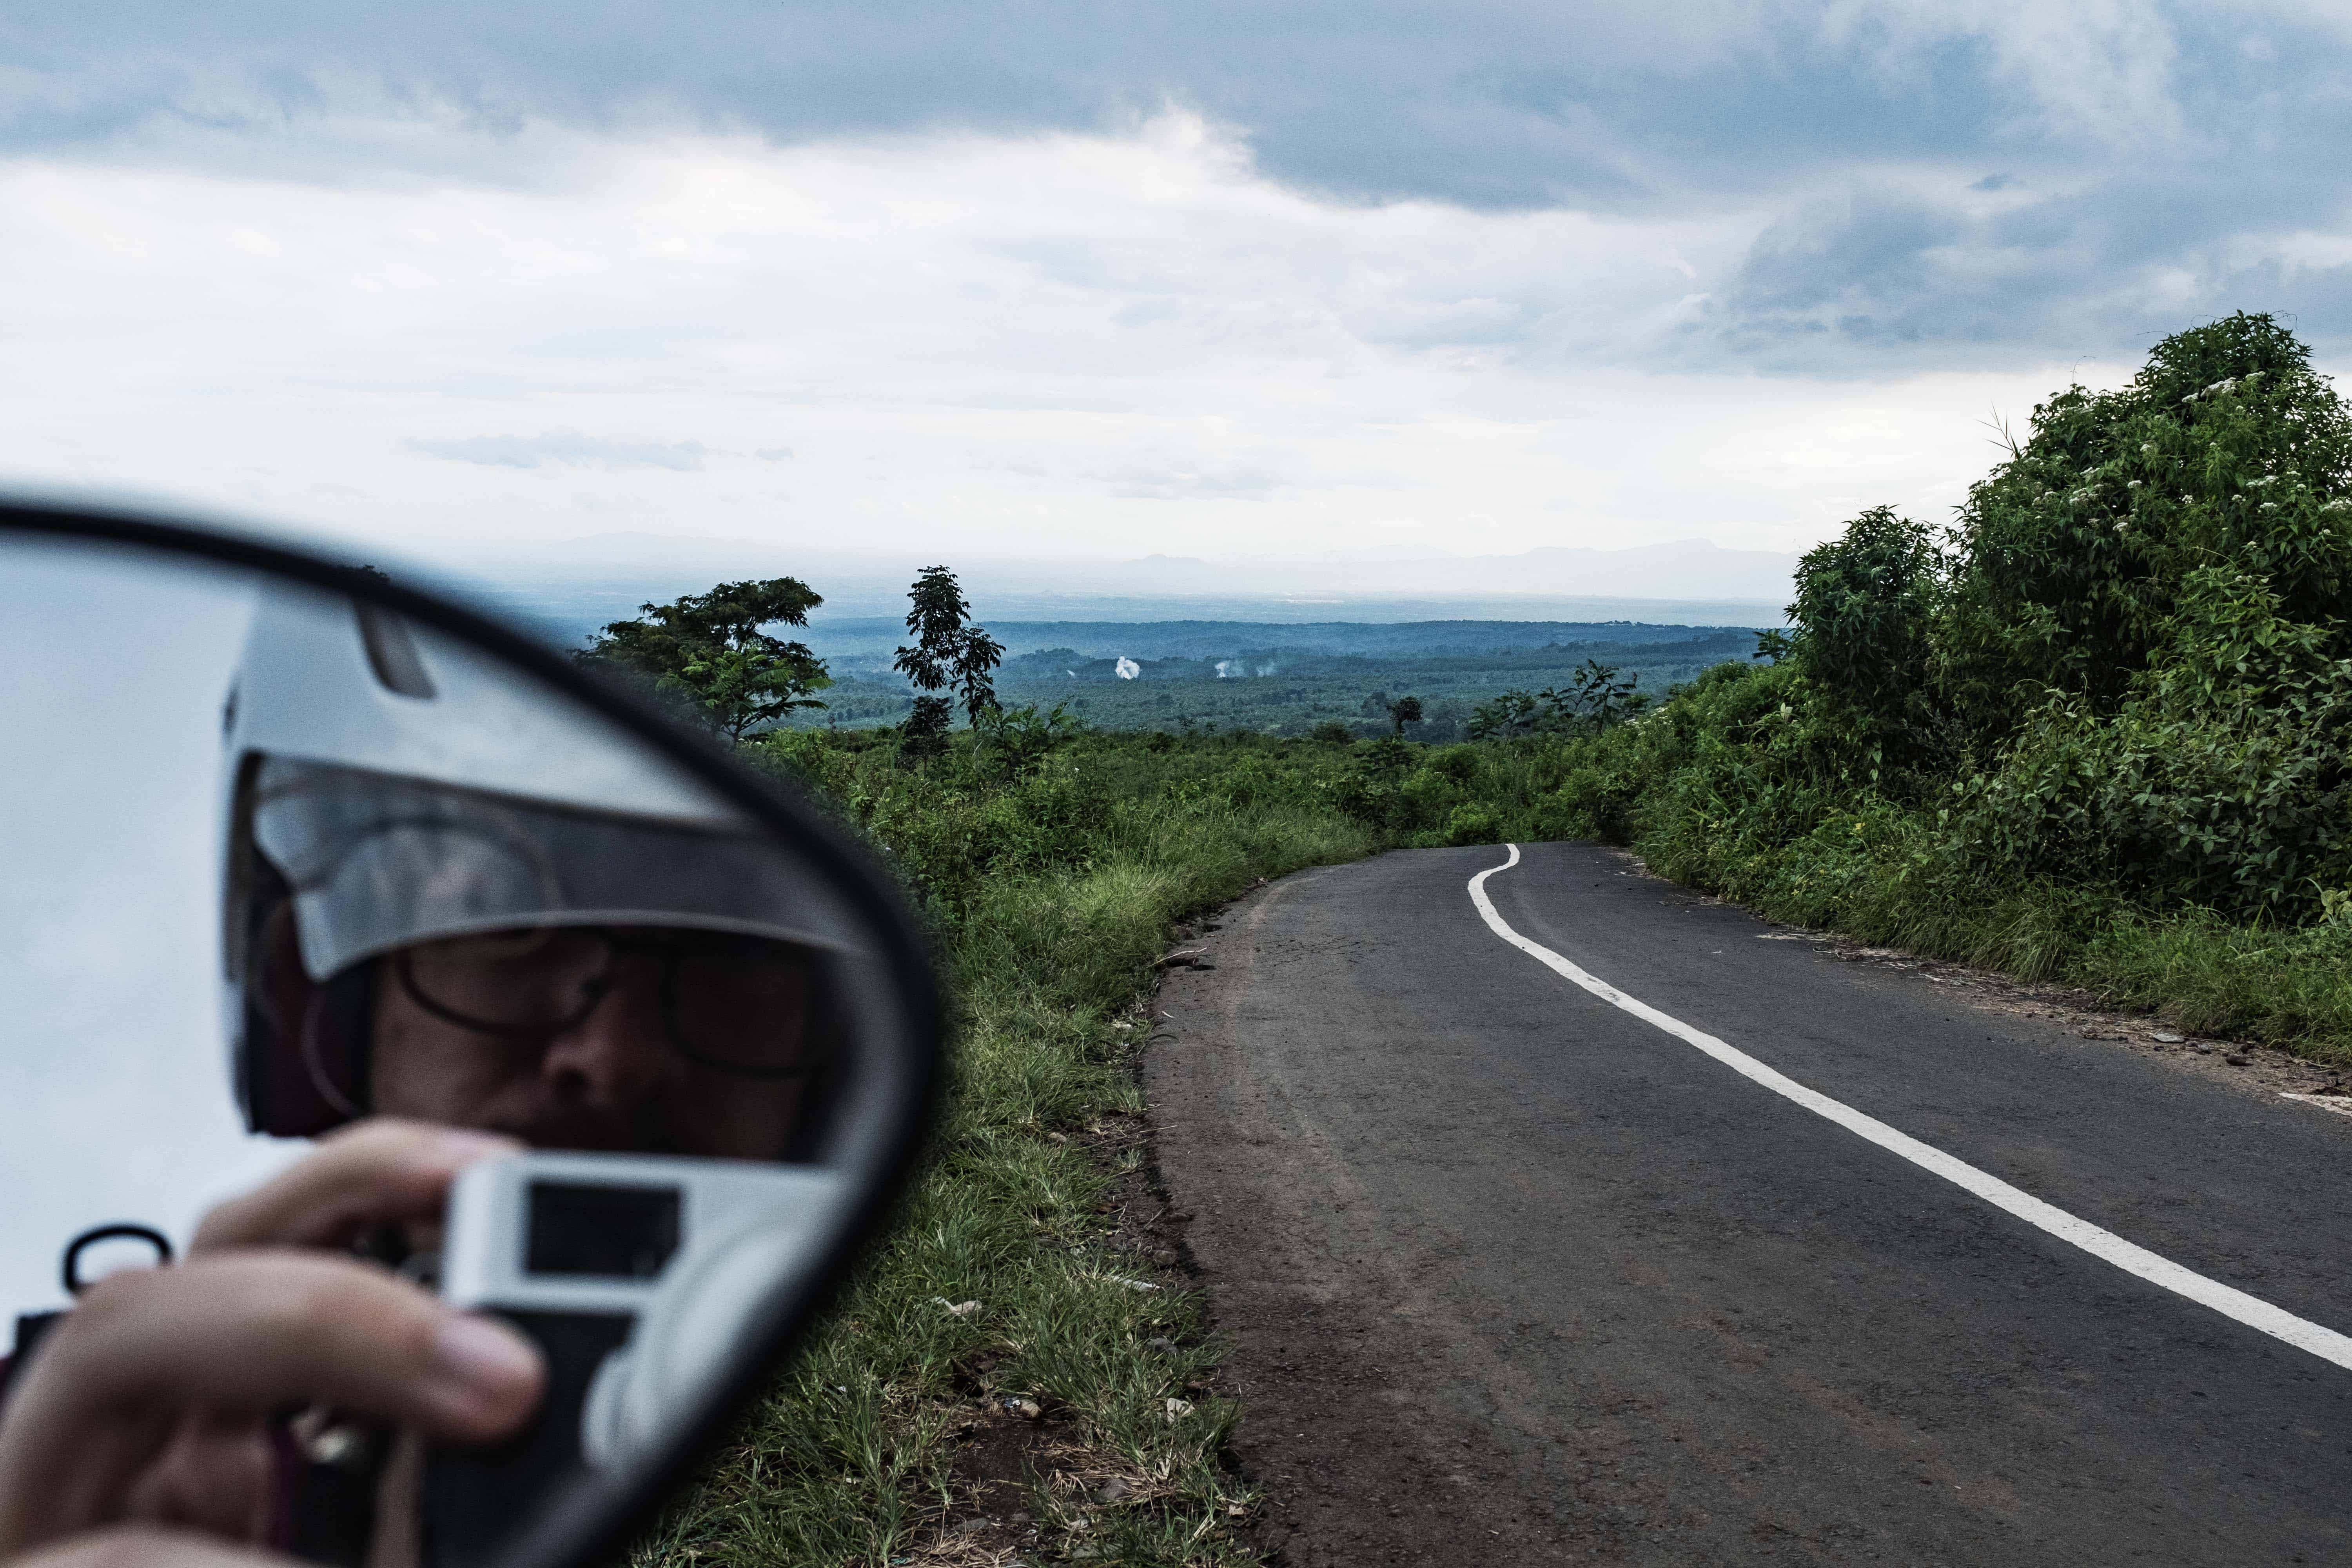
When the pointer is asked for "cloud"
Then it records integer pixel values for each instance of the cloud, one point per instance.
(1882, 275)
(568, 448)
(2156, 142)
(996, 343)
(1516, 103)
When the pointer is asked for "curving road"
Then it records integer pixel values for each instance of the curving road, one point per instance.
(1517, 1266)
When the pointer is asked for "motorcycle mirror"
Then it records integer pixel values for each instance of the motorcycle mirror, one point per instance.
(293, 843)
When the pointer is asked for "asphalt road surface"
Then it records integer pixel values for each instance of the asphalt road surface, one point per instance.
(1512, 1275)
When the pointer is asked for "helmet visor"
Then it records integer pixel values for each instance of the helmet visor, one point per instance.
(377, 862)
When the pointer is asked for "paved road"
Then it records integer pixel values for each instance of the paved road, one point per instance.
(1511, 1276)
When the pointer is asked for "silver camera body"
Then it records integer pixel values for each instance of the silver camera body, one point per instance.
(633, 1273)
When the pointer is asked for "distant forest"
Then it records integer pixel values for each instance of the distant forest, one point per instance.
(1272, 679)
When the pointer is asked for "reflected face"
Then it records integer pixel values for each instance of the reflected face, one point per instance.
(608, 1038)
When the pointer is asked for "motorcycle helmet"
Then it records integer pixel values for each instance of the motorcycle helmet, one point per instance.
(385, 786)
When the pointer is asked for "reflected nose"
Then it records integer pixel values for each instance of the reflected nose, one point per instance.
(615, 1053)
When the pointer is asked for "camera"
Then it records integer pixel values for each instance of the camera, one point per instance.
(632, 1273)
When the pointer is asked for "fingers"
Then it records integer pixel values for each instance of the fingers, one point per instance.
(379, 1170)
(146, 1546)
(218, 1472)
(246, 1330)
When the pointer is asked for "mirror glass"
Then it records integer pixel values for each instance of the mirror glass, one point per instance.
(284, 862)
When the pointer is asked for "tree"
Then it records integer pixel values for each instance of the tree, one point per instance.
(2073, 557)
(706, 652)
(1402, 711)
(948, 655)
(1864, 617)
(1595, 692)
(1015, 741)
(1593, 699)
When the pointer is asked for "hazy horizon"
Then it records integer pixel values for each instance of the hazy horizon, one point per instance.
(568, 588)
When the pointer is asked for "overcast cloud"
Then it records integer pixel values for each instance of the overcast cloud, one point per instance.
(1112, 278)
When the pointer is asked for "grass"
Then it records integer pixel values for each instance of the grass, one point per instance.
(1893, 875)
(860, 1455)
(1010, 1284)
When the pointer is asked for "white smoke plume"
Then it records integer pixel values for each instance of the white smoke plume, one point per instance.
(1128, 669)
(1225, 668)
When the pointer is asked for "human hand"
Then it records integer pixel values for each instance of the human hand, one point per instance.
(150, 1400)
(370, 1172)
(146, 1546)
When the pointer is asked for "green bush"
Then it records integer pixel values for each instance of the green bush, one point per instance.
(2071, 557)
(2219, 780)
(1459, 764)
(2102, 734)
(1473, 822)
(1862, 623)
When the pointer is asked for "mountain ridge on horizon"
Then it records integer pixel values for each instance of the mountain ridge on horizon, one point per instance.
(1681, 571)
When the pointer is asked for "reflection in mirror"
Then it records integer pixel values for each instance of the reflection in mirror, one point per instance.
(112, 1101)
(438, 890)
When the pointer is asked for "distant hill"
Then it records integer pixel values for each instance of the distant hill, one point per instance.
(569, 589)
(870, 641)
(1280, 678)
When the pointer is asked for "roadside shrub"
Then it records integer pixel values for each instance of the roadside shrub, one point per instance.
(2221, 780)
(1864, 617)
(1429, 795)
(1460, 763)
(1473, 822)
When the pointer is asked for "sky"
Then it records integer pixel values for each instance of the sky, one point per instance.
(1084, 283)
(114, 1087)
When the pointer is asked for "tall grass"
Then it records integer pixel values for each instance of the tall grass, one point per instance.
(1702, 810)
(1053, 895)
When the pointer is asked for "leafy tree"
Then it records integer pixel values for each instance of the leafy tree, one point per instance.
(948, 655)
(1402, 711)
(1862, 626)
(2073, 554)
(1015, 740)
(706, 652)
(1593, 699)
(1507, 714)
(1596, 692)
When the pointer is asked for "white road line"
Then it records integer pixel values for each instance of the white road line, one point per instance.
(2324, 1343)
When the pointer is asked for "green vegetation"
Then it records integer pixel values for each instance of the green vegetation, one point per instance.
(1276, 680)
(2098, 732)
(1052, 869)
(1591, 699)
(706, 655)
(949, 654)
